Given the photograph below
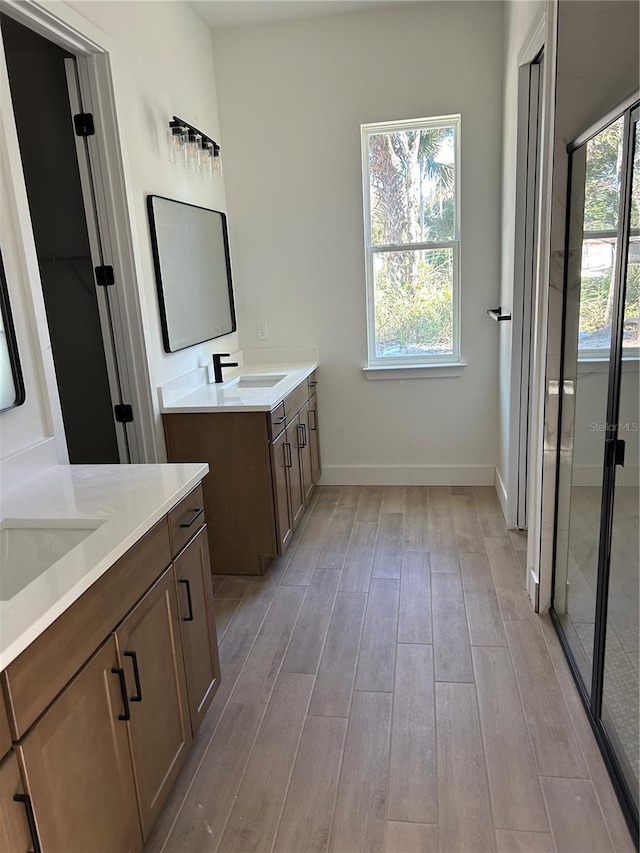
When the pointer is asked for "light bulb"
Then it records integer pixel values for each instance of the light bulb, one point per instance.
(206, 156)
(177, 143)
(216, 163)
(193, 150)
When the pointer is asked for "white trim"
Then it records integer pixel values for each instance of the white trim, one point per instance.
(59, 23)
(502, 495)
(403, 475)
(367, 130)
(533, 44)
(414, 371)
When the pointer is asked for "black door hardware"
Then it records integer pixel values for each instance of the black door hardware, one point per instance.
(84, 124)
(137, 696)
(105, 276)
(117, 670)
(25, 799)
(287, 454)
(497, 315)
(187, 586)
(123, 413)
(197, 512)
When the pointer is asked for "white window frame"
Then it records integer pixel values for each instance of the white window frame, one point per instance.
(426, 361)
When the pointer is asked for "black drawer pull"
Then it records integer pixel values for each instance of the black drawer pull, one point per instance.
(313, 426)
(312, 383)
(187, 585)
(31, 821)
(117, 670)
(279, 421)
(288, 459)
(303, 441)
(137, 697)
(196, 514)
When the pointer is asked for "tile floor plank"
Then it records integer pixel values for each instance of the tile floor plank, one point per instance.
(201, 822)
(305, 826)
(489, 512)
(359, 560)
(393, 498)
(483, 611)
(411, 838)
(336, 541)
(554, 742)
(334, 683)
(466, 524)
(224, 611)
(253, 820)
(464, 811)
(305, 557)
(305, 648)
(261, 668)
(416, 519)
(510, 841)
(509, 579)
(388, 554)
(412, 769)
(233, 587)
(451, 647)
(370, 504)
(376, 661)
(360, 818)
(516, 797)
(576, 820)
(414, 621)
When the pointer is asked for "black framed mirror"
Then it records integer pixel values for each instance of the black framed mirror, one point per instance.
(11, 383)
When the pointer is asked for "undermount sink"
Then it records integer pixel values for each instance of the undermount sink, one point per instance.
(28, 547)
(261, 381)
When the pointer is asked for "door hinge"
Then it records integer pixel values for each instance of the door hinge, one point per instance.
(83, 123)
(105, 276)
(123, 413)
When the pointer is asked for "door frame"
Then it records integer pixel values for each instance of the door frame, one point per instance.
(61, 25)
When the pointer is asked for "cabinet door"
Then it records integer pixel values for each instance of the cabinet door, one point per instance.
(294, 471)
(14, 828)
(279, 459)
(150, 653)
(77, 765)
(305, 452)
(200, 645)
(314, 439)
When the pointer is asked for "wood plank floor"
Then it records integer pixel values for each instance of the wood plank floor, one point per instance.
(387, 688)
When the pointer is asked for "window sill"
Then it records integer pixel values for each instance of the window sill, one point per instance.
(414, 371)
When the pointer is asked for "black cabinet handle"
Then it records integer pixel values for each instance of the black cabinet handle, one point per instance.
(288, 460)
(312, 383)
(117, 670)
(196, 514)
(302, 436)
(137, 697)
(187, 585)
(313, 426)
(281, 420)
(31, 821)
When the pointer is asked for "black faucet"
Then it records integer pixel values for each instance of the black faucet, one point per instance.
(217, 366)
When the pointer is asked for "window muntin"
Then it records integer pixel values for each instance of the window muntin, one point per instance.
(411, 207)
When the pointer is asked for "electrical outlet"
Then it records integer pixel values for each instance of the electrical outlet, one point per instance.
(262, 332)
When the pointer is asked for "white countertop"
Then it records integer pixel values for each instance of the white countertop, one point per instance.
(197, 396)
(126, 501)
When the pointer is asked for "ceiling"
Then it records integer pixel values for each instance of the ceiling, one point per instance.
(233, 13)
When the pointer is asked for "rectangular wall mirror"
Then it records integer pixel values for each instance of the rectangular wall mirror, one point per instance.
(11, 383)
(193, 272)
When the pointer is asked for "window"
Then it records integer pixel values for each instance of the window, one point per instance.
(412, 240)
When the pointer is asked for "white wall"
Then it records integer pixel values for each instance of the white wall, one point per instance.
(292, 97)
(520, 18)
(162, 65)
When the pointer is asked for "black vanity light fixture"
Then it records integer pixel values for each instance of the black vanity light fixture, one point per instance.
(193, 149)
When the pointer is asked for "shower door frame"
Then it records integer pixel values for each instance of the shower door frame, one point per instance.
(592, 697)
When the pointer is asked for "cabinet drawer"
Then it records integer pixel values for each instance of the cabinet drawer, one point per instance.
(186, 518)
(312, 381)
(277, 421)
(35, 678)
(295, 401)
(5, 734)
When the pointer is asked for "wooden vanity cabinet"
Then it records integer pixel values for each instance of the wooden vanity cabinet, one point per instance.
(150, 654)
(77, 765)
(14, 827)
(264, 466)
(199, 642)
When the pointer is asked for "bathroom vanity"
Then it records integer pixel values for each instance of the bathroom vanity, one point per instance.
(258, 431)
(109, 656)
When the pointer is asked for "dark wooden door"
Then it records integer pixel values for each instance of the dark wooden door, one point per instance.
(280, 451)
(314, 441)
(294, 472)
(306, 467)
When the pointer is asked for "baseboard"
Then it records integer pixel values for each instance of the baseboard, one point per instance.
(407, 475)
(501, 491)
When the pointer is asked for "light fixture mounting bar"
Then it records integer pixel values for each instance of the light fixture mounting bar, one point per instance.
(216, 147)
